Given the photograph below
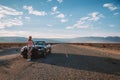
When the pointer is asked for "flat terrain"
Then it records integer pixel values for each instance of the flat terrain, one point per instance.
(67, 62)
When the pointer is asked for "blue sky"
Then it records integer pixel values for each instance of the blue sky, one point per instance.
(59, 18)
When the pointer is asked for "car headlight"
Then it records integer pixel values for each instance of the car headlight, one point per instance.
(39, 49)
(22, 50)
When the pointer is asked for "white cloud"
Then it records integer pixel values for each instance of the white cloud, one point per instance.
(116, 13)
(64, 20)
(50, 34)
(55, 34)
(60, 1)
(20, 17)
(60, 16)
(13, 33)
(4, 11)
(10, 22)
(110, 6)
(85, 22)
(49, 0)
(1, 16)
(78, 25)
(95, 16)
(54, 9)
(34, 12)
(9, 17)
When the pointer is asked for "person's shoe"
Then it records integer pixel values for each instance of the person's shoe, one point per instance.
(28, 59)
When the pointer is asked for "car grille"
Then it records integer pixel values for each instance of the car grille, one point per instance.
(39, 47)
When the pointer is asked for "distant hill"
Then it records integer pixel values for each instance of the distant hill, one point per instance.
(13, 39)
(97, 39)
(64, 40)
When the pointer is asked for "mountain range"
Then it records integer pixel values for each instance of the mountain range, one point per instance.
(109, 39)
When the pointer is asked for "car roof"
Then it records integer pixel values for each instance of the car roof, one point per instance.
(40, 41)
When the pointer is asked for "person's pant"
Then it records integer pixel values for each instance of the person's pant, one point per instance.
(29, 52)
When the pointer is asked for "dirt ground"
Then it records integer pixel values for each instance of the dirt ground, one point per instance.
(67, 62)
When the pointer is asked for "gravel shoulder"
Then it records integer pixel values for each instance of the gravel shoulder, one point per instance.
(67, 62)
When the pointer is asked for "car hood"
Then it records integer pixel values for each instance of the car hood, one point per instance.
(41, 46)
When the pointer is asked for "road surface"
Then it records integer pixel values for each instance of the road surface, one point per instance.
(67, 62)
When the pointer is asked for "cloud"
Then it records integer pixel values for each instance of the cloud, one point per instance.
(49, 0)
(85, 22)
(78, 25)
(60, 16)
(20, 33)
(95, 16)
(1, 16)
(116, 13)
(9, 17)
(20, 17)
(64, 20)
(110, 6)
(54, 9)
(49, 34)
(60, 1)
(4, 11)
(34, 12)
(10, 22)
(13, 33)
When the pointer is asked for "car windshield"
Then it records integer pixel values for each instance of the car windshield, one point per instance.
(39, 43)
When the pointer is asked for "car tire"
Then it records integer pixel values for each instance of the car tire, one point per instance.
(24, 54)
(49, 52)
(44, 54)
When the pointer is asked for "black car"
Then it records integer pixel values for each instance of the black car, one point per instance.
(40, 49)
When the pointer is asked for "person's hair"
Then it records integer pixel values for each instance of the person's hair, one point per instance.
(30, 38)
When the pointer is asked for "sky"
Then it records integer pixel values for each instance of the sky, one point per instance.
(59, 18)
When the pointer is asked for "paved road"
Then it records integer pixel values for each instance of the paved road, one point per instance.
(67, 62)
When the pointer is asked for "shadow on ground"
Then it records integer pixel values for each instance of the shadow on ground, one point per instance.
(83, 62)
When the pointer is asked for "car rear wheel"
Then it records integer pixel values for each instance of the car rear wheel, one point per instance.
(44, 53)
(49, 52)
(24, 54)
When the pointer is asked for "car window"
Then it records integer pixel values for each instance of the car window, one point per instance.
(39, 43)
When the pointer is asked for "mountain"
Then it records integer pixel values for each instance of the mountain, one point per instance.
(13, 39)
(66, 40)
(97, 39)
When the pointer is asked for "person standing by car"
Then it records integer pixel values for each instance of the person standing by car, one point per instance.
(30, 45)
